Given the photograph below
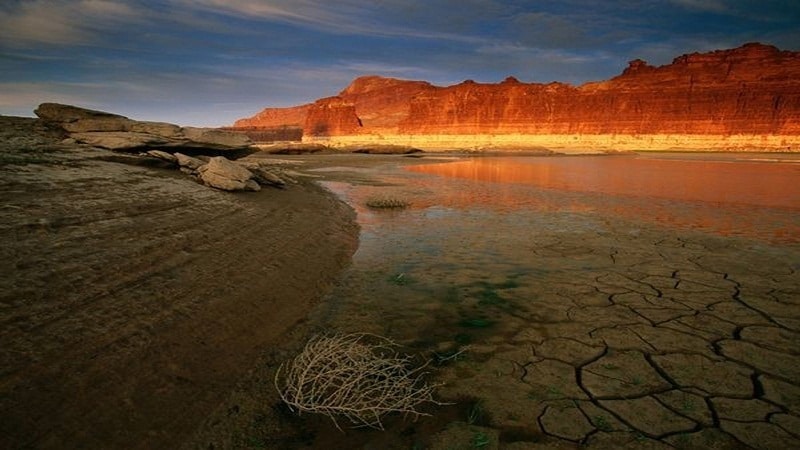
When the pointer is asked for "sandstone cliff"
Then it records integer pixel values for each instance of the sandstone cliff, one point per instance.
(743, 98)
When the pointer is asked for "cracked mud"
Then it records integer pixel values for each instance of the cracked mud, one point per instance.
(582, 327)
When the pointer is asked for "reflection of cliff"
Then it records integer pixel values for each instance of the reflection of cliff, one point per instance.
(685, 180)
(744, 97)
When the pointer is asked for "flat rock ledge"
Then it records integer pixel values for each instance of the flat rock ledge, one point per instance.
(119, 133)
(167, 142)
(246, 174)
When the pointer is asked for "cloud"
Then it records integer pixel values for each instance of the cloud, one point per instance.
(378, 19)
(715, 6)
(60, 22)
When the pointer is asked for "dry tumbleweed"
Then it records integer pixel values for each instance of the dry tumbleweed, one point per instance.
(358, 376)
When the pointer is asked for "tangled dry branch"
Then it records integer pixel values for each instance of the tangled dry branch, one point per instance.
(360, 377)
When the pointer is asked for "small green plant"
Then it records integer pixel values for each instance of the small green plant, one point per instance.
(386, 203)
(601, 423)
(480, 440)
(400, 279)
(475, 414)
(476, 322)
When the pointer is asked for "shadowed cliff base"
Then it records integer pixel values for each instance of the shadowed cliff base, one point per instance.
(134, 298)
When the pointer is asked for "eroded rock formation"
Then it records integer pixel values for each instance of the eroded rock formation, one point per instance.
(743, 98)
(115, 132)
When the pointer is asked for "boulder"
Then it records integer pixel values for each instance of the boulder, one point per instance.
(267, 178)
(169, 157)
(122, 140)
(58, 113)
(224, 174)
(252, 185)
(216, 137)
(115, 132)
(188, 162)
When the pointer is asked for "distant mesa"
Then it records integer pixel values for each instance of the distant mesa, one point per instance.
(746, 98)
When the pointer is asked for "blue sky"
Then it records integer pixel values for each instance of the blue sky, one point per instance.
(210, 62)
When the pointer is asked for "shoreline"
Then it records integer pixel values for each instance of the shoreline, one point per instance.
(135, 299)
(569, 143)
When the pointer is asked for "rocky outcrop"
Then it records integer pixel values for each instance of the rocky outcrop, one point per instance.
(743, 98)
(223, 174)
(115, 132)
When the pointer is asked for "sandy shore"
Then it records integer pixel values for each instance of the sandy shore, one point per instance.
(133, 299)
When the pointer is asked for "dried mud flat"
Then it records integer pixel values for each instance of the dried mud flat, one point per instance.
(581, 332)
(656, 342)
(133, 299)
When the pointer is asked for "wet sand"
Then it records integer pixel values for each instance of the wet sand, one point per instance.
(133, 299)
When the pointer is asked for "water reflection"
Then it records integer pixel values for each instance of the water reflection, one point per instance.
(498, 255)
(746, 183)
(724, 195)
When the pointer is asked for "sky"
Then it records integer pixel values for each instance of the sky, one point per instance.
(210, 62)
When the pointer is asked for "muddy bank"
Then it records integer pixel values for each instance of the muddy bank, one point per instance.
(132, 299)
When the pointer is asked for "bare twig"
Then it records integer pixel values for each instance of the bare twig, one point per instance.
(357, 376)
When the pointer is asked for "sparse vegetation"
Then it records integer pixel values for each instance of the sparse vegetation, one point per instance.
(400, 279)
(476, 322)
(480, 440)
(475, 415)
(360, 377)
(601, 422)
(387, 203)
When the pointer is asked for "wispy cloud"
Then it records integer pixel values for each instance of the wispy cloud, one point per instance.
(61, 22)
(715, 6)
(342, 17)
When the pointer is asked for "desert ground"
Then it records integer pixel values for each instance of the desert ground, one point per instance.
(133, 298)
(141, 309)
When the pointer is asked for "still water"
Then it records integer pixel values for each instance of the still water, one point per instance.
(488, 220)
(505, 256)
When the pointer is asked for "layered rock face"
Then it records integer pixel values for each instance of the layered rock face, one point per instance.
(115, 132)
(743, 98)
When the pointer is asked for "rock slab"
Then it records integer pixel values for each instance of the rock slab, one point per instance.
(115, 132)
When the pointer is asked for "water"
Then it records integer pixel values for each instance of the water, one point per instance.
(481, 222)
(498, 256)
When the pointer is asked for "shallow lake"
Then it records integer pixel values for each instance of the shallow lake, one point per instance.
(550, 273)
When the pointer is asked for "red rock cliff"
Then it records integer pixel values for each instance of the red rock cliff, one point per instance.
(275, 117)
(750, 90)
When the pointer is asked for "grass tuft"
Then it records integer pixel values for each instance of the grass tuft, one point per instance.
(387, 203)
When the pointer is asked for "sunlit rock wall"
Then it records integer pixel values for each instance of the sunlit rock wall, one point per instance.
(747, 98)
